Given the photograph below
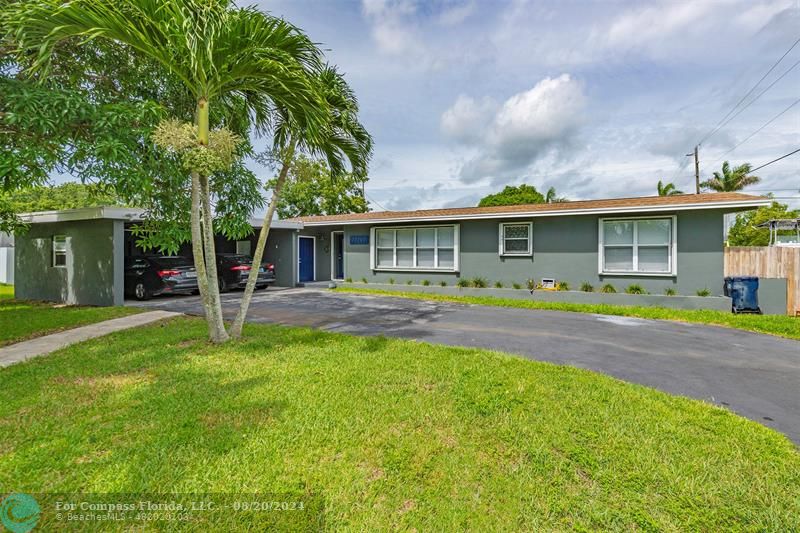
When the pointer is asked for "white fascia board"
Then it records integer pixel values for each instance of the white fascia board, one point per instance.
(276, 224)
(561, 213)
(88, 213)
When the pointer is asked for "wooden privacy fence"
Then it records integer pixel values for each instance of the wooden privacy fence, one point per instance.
(768, 262)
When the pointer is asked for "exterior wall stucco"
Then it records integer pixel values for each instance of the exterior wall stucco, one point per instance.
(564, 248)
(94, 271)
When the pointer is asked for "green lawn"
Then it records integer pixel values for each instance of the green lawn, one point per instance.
(6, 291)
(391, 434)
(24, 320)
(783, 326)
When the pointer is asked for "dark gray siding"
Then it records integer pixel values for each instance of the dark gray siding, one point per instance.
(280, 250)
(94, 271)
(564, 248)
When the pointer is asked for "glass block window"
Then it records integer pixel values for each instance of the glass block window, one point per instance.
(516, 238)
(422, 248)
(637, 246)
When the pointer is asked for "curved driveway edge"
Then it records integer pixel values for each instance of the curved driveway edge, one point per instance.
(22, 351)
(755, 375)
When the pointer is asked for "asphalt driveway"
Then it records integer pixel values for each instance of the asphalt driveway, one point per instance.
(757, 376)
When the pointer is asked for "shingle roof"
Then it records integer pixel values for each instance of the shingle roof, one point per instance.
(732, 199)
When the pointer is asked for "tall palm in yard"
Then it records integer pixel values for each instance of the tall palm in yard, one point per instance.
(343, 140)
(222, 54)
(667, 189)
(730, 180)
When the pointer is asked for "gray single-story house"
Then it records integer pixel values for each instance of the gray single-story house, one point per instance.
(77, 256)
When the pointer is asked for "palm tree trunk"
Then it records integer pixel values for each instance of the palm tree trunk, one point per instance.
(238, 322)
(199, 257)
(203, 241)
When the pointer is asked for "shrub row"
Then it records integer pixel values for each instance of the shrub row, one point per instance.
(482, 283)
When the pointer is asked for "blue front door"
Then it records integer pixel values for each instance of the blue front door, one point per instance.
(306, 259)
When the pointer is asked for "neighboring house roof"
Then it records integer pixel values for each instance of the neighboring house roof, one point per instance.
(122, 213)
(609, 206)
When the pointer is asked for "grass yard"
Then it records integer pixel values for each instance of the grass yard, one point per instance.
(780, 325)
(6, 291)
(21, 320)
(391, 434)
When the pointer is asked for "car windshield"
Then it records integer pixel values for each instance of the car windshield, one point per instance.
(173, 262)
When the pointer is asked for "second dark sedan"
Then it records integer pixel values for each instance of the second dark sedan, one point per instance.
(151, 275)
(234, 269)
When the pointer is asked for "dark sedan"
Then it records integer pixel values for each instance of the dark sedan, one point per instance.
(148, 276)
(234, 269)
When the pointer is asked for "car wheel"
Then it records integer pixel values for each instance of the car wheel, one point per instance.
(141, 292)
(222, 286)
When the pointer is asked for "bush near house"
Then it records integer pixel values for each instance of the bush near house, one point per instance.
(443, 431)
(635, 288)
(608, 289)
(587, 287)
(478, 282)
(704, 292)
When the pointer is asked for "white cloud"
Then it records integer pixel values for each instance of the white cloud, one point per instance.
(467, 120)
(540, 121)
(391, 30)
(456, 14)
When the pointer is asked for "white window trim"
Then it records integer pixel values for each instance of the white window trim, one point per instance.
(673, 249)
(64, 251)
(502, 239)
(373, 246)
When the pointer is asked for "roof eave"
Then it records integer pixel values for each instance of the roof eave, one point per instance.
(742, 204)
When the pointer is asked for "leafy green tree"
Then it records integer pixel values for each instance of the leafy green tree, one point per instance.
(668, 189)
(731, 179)
(233, 58)
(514, 195)
(310, 189)
(744, 232)
(64, 196)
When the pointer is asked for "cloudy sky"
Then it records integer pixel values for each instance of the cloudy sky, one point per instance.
(595, 98)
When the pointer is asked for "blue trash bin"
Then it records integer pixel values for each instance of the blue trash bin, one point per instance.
(743, 291)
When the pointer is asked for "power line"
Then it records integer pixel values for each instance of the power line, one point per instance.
(767, 88)
(767, 123)
(774, 160)
(374, 202)
(719, 124)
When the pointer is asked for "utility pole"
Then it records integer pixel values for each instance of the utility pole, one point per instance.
(696, 169)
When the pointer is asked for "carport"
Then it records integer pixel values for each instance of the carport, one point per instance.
(77, 256)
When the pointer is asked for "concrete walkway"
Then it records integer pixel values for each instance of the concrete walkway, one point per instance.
(25, 350)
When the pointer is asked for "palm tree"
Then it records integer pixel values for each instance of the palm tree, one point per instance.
(222, 54)
(551, 197)
(344, 138)
(667, 189)
(731, 180)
